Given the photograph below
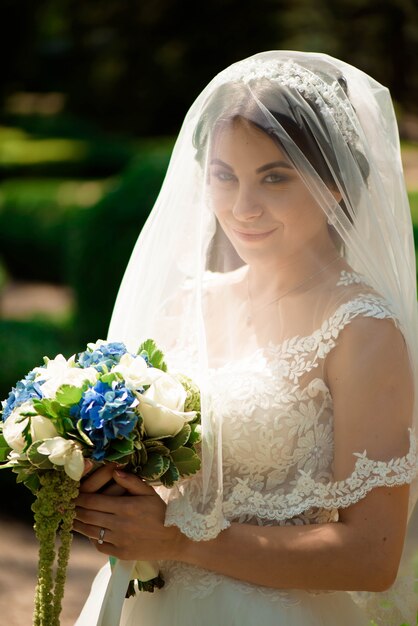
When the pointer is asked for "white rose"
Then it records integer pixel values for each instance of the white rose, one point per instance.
(145, 570)
(134, 371)
(61, 451)
(162, 406)
(14, 426)
(40, 427)
(59, 372)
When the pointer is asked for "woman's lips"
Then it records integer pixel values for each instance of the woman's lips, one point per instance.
(252, 236)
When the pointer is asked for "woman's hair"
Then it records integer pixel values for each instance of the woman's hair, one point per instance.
(234, 101)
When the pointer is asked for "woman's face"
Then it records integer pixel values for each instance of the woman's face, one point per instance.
(262, 204)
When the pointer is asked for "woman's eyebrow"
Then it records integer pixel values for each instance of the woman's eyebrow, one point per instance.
(270, 166)
(219, 162)
(263, 168)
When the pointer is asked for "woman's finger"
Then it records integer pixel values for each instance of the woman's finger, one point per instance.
(93, 532)
(98, 479)
(114, 490)
(88, 465)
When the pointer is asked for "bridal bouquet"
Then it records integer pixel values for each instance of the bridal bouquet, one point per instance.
(104, 404)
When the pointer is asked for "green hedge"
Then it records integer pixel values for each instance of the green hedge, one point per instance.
(102, 242)
(33, 230)
(34, 146)
(46, 223)
(23, 344)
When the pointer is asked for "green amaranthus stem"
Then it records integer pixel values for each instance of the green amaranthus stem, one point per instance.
(71, 489)
(53, 506)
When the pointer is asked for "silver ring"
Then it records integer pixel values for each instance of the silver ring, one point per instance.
(101, 536)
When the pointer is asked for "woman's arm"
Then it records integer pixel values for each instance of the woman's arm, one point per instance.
(371, 385)
(361, 554)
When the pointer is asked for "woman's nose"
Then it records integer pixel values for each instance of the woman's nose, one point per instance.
(247, 205)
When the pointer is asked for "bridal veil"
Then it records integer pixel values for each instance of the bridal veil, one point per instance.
(188, 287)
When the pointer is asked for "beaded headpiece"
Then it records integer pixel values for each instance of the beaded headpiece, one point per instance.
(328, 97)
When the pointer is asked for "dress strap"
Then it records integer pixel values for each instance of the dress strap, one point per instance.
(303, 353)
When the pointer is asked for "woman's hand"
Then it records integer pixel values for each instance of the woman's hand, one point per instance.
(99, 478)
(133, 523)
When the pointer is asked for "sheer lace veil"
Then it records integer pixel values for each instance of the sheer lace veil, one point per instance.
(198, 280)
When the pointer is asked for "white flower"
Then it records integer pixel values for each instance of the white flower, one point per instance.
(59, 372)
(95, 345)
(53, 367)
(162, 406)
(61, 451)
(134, 371)
(40, 427)
(15, 457)
(145, 570)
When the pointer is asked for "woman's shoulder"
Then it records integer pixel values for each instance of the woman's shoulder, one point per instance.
(352, 294)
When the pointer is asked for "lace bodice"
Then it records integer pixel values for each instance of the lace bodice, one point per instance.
(277, 440)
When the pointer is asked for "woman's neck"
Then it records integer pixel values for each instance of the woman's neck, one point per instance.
(269, 280)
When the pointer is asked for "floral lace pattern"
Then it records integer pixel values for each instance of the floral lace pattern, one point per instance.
(278, 443)
(201, 583)
(350, 278)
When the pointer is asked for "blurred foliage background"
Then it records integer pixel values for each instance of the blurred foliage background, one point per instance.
(92, 96)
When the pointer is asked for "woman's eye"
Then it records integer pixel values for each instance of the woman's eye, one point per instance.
(224, 176)
(274, 178)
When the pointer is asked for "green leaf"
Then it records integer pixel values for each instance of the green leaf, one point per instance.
(155, 467)
(68, 395)
(33, 483)
(126, 446)
(59, 413)
(195, 435)
(192, 402)
(118, 456)
(24, 474)
(186, 461)
(141, 455)
(4, 448)
(155, 357)
(82, 434)
(139, 426)
(65, 424)
(154, 445)
(110, 377)
(180, 439)
(37, 459)
(170, 476)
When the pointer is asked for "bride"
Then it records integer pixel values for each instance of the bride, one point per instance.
(277, 269)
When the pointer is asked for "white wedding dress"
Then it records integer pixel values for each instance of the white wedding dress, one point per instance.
(276, 431)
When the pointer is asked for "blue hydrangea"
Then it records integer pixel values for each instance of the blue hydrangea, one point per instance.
(106, 414)
(25, 390)
(104, 357)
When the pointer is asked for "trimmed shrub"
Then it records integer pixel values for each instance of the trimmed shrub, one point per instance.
(33, 230)
(103, 239)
